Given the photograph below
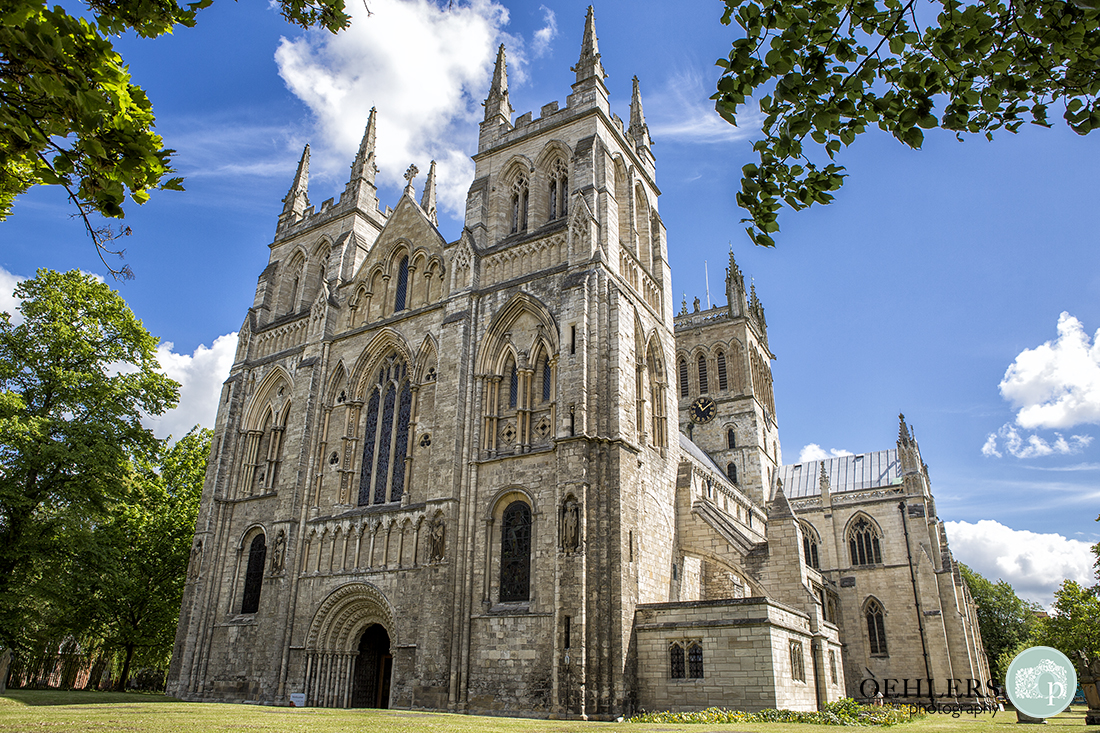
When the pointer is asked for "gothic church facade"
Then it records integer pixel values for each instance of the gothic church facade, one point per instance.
(451, 474)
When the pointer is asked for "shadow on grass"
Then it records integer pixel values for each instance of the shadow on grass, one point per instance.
(83, 697)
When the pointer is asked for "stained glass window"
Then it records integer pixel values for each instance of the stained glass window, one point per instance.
(515, 553)
(876, 628)
(402, 285)
(863, 543)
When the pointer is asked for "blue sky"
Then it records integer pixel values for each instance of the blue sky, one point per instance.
(935, 285)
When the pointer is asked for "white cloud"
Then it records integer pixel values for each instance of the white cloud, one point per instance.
(540, 46)
(1057, 384)
(8, 302)
(1034, 564)
(200, 376)
(425, 67)
(814, 452)
(679, 112)
(1032, 446)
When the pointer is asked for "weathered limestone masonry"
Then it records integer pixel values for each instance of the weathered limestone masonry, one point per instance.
(450, 474)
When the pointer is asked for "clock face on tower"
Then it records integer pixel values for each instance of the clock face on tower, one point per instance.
(702, 410)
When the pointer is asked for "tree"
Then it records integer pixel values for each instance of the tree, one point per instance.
(826, 70)
(69, 114)
(76, 377)
(122, 591)
(1005, 620)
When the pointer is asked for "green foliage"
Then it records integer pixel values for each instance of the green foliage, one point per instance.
(76, 377)
(1073, 628)
(825, 70)
(69, 114)
(122, 590)
(1006, 621)
(840, 712)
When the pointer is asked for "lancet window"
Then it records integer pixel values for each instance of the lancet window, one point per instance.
(863, 543)
(731, 472)
(254, 574)
(401, 296)
(519, 204)
(685, 389)
(703, 374)
(798, 661)
(809, 546)
(559, 190)
(655, 373)
(515, 553)
(386, 435)
(876, 627)
(723, 382)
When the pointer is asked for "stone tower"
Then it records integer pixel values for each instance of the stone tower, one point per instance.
(722, 359)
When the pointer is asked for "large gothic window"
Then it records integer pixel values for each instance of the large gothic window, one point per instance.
(386, 437)
(863, 543)
(254, 574)
(515, 553)
(876, 628)
(401, 296)
(809, 546)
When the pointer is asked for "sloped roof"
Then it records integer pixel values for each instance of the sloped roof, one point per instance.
(700, 455)
(846, 473)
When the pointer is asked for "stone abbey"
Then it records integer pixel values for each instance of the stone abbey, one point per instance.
(499, 475)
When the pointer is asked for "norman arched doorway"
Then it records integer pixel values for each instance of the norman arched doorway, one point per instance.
(370, 686)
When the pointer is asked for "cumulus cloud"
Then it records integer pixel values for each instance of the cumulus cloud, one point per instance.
(1034, 564)
(425, 67)
(1057, 384)
(677, 111)
(814, 452)
(8, 302)
(544, 36)
(1032, 446)
(200, 375)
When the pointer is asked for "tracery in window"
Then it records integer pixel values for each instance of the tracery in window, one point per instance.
(515, 553)
(876, 627)
(863, 543)
(810, 542)
(559, 190)
(254, 574)
(386, 434)
(519, 204)
(798, 663)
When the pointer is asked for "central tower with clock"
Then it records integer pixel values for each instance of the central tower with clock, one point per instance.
(724, 385)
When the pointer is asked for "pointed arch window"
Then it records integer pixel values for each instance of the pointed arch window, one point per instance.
(723, 382)
(876, 627)
(559, 190)
(546, 380)
(655, 373)
(863, 543)
(702, 374)
(386, 435)
(519, 204)
(401, 296)
(513, 386)
(515, 553)
(676, 660)
(695, 660)
(685, 390)
(809, 546)
(254, 574)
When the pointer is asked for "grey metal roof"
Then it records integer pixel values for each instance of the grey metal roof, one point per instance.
(700, 454)
(846, 473)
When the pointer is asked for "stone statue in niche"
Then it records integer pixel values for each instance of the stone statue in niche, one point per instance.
(196, 561)
(438, 533)
(570, 533)
(278, 555)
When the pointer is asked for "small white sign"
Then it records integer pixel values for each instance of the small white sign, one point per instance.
(298, 699)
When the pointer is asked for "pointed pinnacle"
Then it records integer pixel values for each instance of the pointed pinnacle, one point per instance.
(496, 103)
(638, 130)
(364, 166)
(903, 429)
(588, 65)
(427, 200)
(300, 186)
(823, 478)
(500, 73)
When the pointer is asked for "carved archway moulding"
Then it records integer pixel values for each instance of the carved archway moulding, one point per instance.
(344, 615)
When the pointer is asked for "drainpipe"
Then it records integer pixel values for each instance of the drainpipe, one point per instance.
(916, 599)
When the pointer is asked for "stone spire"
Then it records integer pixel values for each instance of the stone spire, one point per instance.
(427, 199)
(588, 65)
(361, 188)
(638, 130)
(908, 451)
(735, 288)
(497, 104)
(297, 199)
(903, 430)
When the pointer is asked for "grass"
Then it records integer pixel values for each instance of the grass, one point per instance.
(41, 711)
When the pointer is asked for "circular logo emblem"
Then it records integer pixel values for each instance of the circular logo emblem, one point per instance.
(1041, 682)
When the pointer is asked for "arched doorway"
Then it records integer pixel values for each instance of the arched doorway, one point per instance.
(373, 667)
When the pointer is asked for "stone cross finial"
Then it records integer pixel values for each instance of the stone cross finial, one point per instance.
(410, 174)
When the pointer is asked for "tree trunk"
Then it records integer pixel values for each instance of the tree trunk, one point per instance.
(124, 677)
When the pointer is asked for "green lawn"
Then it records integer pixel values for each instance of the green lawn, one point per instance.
(49, 711)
